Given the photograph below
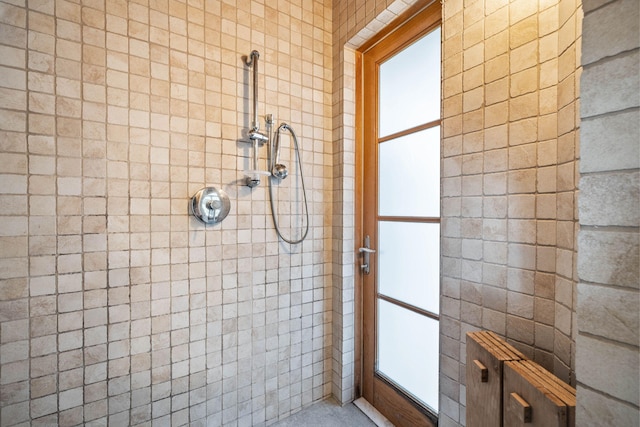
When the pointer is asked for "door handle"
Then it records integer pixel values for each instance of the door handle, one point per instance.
(366, 251)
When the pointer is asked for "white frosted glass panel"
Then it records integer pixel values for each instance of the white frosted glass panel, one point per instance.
(408, 351)
(410, 86)
(409, 175)
(409, 263)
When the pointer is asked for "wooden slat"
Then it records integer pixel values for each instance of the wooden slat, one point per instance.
(485, 401)
(487, 349)
(481, 371)
(510, 350)
(484, 394)
(482, 404)
(421, 219)
(410, 131)
(520, 407)
(555, 385)
(523, 368)
(547, 410)
(407, 306)
(496, 349)
(566, 392)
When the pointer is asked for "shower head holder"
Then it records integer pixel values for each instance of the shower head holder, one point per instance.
(252, 177)
(257, 136)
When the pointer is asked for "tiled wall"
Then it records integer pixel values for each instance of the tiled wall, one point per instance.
(115, 305)
(607, 354)
(510, 88)
(510, 102)
(355, 21)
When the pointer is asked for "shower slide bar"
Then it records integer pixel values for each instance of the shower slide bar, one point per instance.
(276, 170)
(255, 136)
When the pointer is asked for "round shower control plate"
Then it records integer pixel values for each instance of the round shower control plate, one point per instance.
(210, 205)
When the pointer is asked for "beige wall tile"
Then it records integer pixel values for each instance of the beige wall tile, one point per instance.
(537, 124)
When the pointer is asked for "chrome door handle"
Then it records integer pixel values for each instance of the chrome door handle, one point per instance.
(365, 251)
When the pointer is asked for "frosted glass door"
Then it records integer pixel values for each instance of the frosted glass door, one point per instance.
(409, 263)
(409, 174)
(408, 356)
(399, 203)
(408, 235)
(410, 86)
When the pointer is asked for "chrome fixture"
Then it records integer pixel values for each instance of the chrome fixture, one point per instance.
(280, 172)
(366, 251)
(256, 137)
(210, 205)
(276, 170)
(252, 61)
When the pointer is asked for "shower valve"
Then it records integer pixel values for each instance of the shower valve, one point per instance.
(210, 205)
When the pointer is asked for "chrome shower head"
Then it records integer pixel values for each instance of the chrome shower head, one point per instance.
(280, 171)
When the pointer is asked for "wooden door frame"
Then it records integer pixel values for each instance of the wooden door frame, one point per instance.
(396, 25)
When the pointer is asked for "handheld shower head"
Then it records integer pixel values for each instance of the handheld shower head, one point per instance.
(278, 170)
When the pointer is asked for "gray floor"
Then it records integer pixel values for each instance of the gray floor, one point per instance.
(327, 414)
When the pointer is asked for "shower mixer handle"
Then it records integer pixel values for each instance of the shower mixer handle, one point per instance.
(214, 206)
(210, 205)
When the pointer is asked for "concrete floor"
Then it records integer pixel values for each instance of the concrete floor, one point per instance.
(327, 414)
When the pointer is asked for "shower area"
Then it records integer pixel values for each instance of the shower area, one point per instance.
(143, 279)
(177, 204)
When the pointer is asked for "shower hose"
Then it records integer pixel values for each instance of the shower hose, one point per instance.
(274, 214)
